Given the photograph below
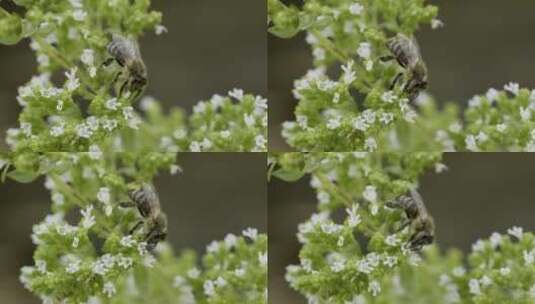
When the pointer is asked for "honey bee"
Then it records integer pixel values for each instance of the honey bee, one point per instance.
(421, 222)
(125, 51)
(407, 53)
(146, 200)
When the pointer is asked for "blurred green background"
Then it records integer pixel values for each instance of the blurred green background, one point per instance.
(217, 193)
(485, 43)
(212, 47)
(479, 194)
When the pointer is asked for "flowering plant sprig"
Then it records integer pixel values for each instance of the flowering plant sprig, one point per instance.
(77, 100)
(358, 110)
(361, 257)
(86, 239)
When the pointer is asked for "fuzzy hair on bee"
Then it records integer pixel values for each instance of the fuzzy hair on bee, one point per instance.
(125, 51)
(147, 202)
(407, 54)
(421, 223)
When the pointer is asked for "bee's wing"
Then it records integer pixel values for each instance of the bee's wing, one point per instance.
(417, 197)
(413, 53)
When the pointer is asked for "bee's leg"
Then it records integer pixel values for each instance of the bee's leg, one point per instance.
(395, 81)
(136, 227)
(123, 87)
(420, 239)
(117, 77)
(108, 61)
(403, 226)
(127, 205)
(387, 58)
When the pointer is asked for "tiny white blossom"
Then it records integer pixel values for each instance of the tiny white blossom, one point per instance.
(354, 218)
(160, 29)
(79, 15)
(88, 57)
(323, 197)
(475, 289)
(88, 219)
(109, 289)
(128, 241)
(529, 257)
(388, 97)
(249, 120)
(374, 288)
(505, 271)
(195, 146)
(501, 127)
(72, 81)
(95, 152)
(334, 123)
(517, 232)
(209, 288)
(251, 233)
(525, 113)
(370, 144)
(370, 194)
(364, 50)
(356, 9)
(512, 87)
(237, 94)
(436, 23)
(231, 240)
(112, 104)
(471, 143)
(495, 240)
(392, 240)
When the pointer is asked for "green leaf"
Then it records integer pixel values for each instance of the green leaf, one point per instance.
(11, 28)
(22, 176)
(289, 175)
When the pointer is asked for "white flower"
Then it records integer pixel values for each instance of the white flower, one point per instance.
(501, 127)
(149, 261)
(41, 266)
(76, 3)
(128, 241)
(237, 94)
(43, 60)
(209, 288)
(231, 240)
(517, 232)
(440, 167)
(495, 240)
(88, 57)
(72, 81)
(525, 113)
(485, 281)
(95, 152)
(458, 272)
(330, 228)
(364, 50)
(220, 282)
(374, 288)
(263, 259)
(529, 257)
(206, 144)
(323, 197)
(390, 261)
(109, 289)
(194, 273)
(79, 15)
(250, 233)
(200, 107)
(88, 220)
(160, 29)
(370, 194)
(249, 119)
(225, 133)
(354, 218)
(260, 141)
(474, 102)
(505, 271)
(471, 143)
(392, 240)
(349, 74)
(386, 118)
(75, 242)
(57, 198)
(109, 124)
(195, 146)
(492, 95)
(370, 144)
(388, 97)
(112, 104)
(475, 289)
(356, 9)
(436, 23)
(512, 87)
(482, 137)
(73, 266)
(334, 123)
